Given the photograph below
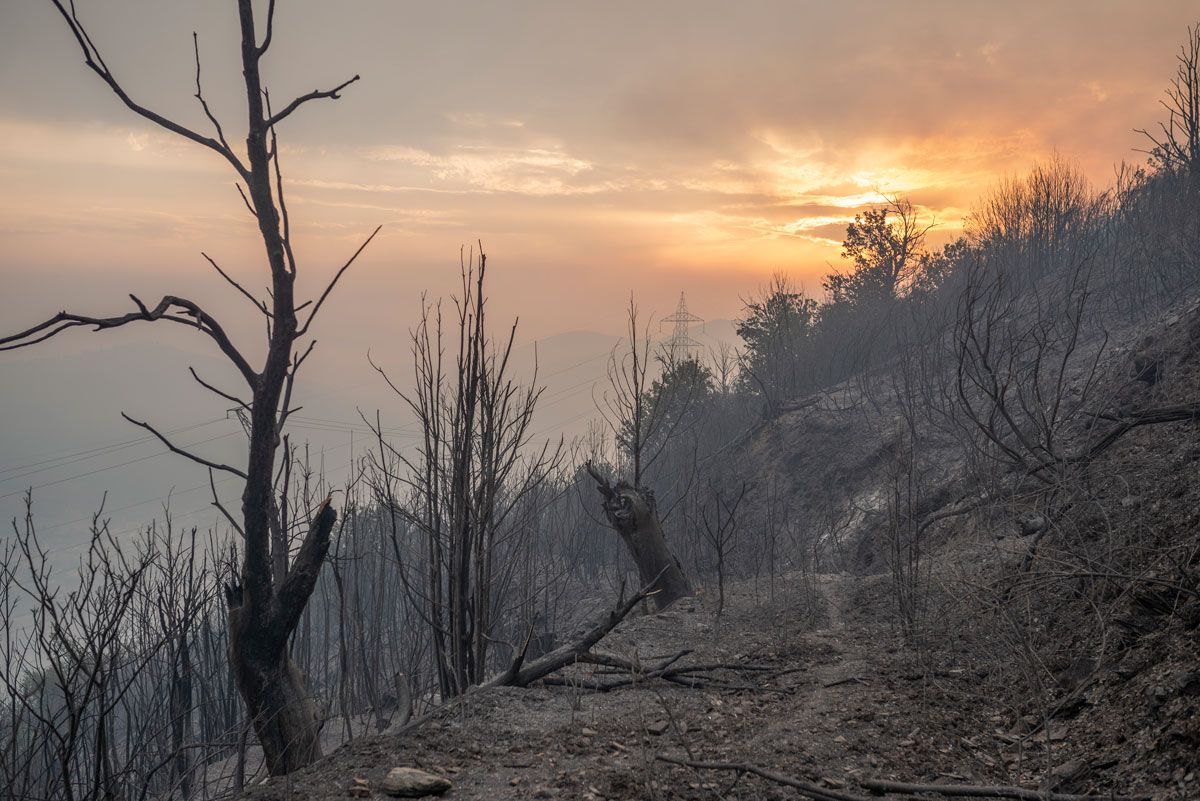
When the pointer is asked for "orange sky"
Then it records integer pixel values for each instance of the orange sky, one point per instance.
(593, 147)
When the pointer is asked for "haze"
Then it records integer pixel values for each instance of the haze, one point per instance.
(592, 148)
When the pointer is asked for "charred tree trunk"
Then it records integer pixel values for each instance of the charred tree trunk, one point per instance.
(631, 511)
(266, 604)
(284, 716)
(181, 716)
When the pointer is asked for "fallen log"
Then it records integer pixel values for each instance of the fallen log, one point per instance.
(520, 674)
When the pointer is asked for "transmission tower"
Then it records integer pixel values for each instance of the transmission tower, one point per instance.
(681, 345)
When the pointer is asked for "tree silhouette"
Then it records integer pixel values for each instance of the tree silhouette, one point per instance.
(265, 604)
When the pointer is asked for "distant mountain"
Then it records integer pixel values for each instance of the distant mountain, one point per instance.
(63, 434)
(573, 369)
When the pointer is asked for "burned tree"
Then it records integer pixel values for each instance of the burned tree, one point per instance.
(469, 478)
(264, 605)
(633, 513)
(1175, 147)
(720, 532)
(643, 421)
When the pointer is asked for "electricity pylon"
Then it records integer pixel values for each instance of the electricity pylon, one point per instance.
(681, 345)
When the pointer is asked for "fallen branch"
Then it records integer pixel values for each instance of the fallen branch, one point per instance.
(820, 793)
(806, 788)
(631, 674)
(1184, 412)
(982, 791)
(519, 675)
(847, 680)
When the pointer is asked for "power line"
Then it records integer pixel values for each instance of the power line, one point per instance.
(64, 459)
(303, 422)
(113, 466)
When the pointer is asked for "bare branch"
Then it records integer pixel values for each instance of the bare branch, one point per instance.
(216, 391)
(986, 791)
(337, 277)
(188, 313)
(316, 94)
(246, 200)
(94, 61)
(291, 597)
(266, 42)
(211, 465)
(221, 507)
(200, 96)
(567, 654)
(258, 304)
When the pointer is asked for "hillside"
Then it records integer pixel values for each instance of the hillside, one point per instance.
(601, 401)
(1064, 661)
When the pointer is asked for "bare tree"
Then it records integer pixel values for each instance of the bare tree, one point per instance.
(720, 531)
(626, 405)
(72, 670)
(725, 359)
(265, 604)
(469, 478)
(1176, 144)
(1038, 223)
(643, 422)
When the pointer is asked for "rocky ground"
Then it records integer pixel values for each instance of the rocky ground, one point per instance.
(814, 685)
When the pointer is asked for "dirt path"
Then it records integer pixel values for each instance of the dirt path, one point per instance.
(830, 698)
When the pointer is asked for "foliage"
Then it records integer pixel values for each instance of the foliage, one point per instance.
(776, 328)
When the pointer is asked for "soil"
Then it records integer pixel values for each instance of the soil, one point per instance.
(817, 687)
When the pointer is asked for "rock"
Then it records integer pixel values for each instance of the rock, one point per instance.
(1066, 776)
(658, 727)
(1187, 682)
(413, 783)
(1030, 523)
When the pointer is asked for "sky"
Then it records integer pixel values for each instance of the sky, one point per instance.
(594, 148)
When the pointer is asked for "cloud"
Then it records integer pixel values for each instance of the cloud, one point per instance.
(535, 171)
(29, 142)
(317, 183)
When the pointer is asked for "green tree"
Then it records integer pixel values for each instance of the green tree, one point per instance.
(777, 329)
(886, 246)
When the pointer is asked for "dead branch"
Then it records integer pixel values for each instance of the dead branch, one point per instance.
(171, 308)
(95, 62)
(806, 788)
(882, 786)
(1184, 412)
(173, 448)
(984, 791)
(302, 576)
(258, 304)
(518, 675)
(316, 94)
(522, 676)
(337, 276)
(634, 673)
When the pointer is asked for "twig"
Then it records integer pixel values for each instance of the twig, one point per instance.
(847, 680)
